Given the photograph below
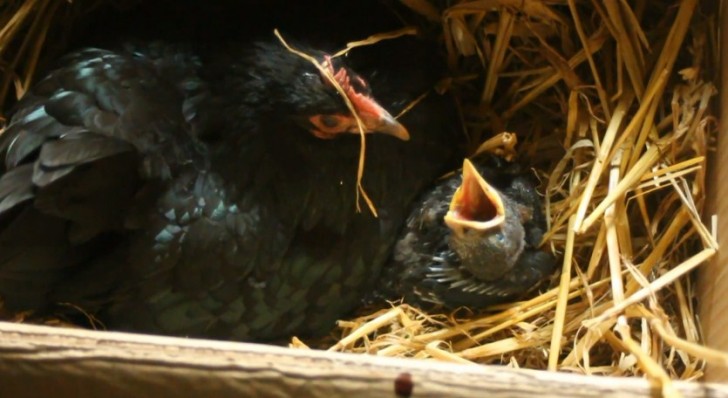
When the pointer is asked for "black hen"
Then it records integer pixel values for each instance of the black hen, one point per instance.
(472, 241)
(203, 191)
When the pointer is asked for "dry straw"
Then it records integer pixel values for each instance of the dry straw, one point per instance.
(622, 155)
(611, 102)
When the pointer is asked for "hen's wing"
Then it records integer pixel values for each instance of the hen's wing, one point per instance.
(89, 145)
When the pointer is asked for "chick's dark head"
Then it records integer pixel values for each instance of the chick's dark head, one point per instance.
(287, 83)
(487, 226)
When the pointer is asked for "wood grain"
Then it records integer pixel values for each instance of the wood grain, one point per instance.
(713, 281)
(45, 361)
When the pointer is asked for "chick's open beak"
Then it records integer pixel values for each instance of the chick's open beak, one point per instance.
(476, 205)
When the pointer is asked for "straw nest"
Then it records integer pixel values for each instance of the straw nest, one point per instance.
(612, 103)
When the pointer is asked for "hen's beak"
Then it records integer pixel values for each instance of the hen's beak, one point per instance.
(475, 205)
(377, 120)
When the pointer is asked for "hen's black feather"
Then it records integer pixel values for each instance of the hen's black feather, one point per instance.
(170, 189)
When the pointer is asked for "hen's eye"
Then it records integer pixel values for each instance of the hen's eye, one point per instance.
(329, 121)
(326, 126)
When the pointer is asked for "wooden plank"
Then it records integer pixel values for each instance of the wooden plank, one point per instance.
(713, 281)
(40, 361)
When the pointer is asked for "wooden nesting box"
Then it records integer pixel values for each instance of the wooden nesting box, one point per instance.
(38, 360)
(714, 276)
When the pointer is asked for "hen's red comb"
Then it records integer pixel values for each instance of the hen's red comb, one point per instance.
(361, 102)
(341, 76)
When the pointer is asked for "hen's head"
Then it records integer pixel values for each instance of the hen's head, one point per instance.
(291, 84)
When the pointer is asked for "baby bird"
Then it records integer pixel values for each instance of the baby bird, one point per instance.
(472, 240)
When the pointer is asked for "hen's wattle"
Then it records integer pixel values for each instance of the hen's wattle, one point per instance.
(189, 190)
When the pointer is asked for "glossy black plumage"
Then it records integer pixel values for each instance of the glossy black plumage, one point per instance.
(433, 264)
(171, 189)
